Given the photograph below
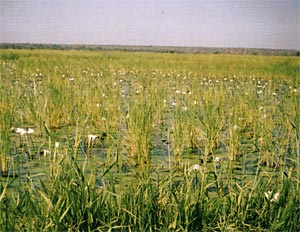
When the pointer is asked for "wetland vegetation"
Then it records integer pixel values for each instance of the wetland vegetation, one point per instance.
(121, 141)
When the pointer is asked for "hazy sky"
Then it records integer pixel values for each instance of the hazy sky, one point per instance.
(211, 23)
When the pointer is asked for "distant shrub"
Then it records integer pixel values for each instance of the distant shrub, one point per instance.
(9, 56)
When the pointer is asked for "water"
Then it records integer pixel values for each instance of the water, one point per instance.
(27, 163)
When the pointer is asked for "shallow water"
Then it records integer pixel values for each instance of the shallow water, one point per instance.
(26, 162)
(26, 168)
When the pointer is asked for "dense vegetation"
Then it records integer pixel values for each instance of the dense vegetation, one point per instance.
(160, 49)
(183, 142)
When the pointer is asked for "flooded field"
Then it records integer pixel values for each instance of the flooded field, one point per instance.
(146, 141)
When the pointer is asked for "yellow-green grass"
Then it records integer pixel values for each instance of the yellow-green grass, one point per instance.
(193, 142)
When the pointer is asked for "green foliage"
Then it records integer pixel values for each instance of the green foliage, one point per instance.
(9, 56)
(184, 142)
(70, 200)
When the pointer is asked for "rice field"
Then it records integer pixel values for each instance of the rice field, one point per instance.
(133, 141)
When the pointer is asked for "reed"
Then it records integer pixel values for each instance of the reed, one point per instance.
(185, 142)
(7, 108)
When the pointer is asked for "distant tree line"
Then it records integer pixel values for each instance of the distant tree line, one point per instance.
(161, 49)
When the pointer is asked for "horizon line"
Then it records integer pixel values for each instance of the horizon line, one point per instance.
(141, 46)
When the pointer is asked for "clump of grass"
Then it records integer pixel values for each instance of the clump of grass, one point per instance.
(139, 129)
(211, 120)
(6, 114)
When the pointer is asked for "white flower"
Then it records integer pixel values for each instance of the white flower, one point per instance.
(268, 195)
(30, 131)
(184, 108)
(275, 197)
(56, 144)
(22, 131)
(45, 152)
(217, 159)
(92, 137)
(195, 167)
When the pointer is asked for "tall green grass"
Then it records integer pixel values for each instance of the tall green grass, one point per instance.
(236, 116)
(182, 200)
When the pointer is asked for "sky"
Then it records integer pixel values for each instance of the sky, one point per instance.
(196, 23)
